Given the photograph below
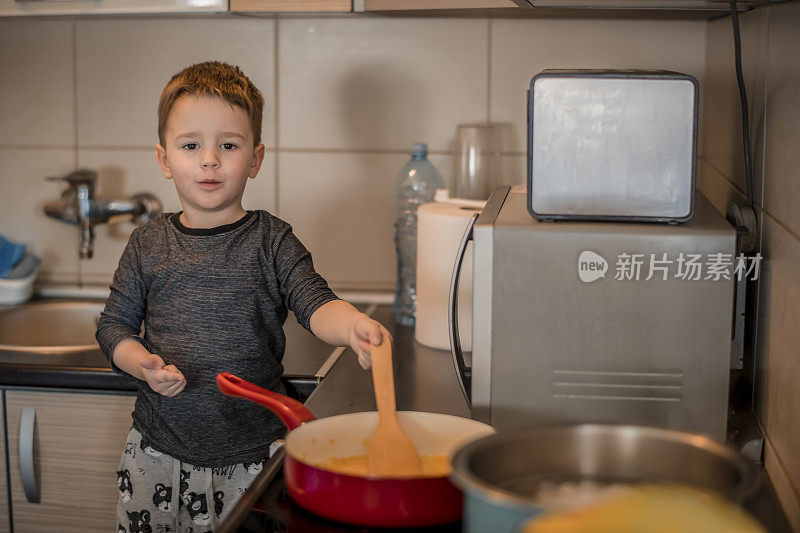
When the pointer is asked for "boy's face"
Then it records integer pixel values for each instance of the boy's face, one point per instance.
(209, 154)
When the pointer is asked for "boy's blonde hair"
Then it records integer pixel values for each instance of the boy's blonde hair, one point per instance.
(213, 78)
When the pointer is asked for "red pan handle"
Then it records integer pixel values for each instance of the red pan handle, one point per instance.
(289, 410)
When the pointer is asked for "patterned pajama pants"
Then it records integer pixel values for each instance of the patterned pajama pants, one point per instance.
(160, 494)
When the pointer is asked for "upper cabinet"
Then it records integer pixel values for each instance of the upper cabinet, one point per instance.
(431, 5)
(283, 6)
(361, 6)
(488, 8)
(531, 8)
(10, 8)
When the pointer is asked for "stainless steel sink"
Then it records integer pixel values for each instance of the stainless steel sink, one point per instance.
(50, 327)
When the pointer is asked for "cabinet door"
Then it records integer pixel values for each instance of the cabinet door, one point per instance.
(425, 5)
(5, 525)
(290, 5)
(96, 7)
(77, 445)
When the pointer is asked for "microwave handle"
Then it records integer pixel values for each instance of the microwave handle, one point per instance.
(464, 381)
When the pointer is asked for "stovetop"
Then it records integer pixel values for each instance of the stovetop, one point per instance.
(276, 512)
(267, 508)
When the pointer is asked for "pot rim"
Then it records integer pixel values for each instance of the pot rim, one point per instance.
(290, 445)
(463, 478)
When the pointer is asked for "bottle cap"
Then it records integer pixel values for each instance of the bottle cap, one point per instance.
(419, 150)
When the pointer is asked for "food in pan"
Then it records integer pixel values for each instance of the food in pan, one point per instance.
(653, 508)
(356, 465)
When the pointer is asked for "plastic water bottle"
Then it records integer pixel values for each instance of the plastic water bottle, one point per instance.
(416, 184)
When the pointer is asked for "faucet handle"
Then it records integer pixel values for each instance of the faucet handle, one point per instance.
(82, 176)
(146, 206)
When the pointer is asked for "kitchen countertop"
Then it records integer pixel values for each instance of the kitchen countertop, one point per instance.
(425, 381)
(305, 356)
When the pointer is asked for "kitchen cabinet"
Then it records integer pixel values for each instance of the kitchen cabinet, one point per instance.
(561, 8)
(5, 515)
(289, 5)
(22, 8)
(489, 8)
(424, 5)
(77, 444)
(530, 5)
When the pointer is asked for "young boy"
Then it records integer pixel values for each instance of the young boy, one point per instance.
(212, 286)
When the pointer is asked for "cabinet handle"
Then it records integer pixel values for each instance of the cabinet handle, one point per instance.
(26, 428)
(464, 381)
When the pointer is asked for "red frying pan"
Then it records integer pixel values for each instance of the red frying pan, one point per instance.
(362, 500)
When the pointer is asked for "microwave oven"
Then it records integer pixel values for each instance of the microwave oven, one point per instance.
(598, 321)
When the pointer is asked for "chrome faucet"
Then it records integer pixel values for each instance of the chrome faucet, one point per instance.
(79, 206)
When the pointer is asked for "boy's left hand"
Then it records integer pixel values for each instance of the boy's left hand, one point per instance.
(365, 333)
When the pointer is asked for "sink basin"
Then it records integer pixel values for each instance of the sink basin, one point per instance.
(50, 327)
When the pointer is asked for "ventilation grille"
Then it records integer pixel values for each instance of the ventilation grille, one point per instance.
(644, 386)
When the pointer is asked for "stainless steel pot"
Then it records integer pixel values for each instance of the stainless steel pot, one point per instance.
(500, 474)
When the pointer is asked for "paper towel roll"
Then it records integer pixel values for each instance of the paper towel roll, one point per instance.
(440, 228)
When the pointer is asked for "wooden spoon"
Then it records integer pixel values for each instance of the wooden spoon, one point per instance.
(391, 453)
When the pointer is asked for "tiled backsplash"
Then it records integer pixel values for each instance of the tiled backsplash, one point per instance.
(770, 48)
(22, 198)
(345, 98)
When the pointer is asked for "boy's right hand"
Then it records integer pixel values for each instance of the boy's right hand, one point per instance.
(164, 379)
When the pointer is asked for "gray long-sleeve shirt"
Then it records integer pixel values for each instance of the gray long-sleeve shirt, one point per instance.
(211, 300)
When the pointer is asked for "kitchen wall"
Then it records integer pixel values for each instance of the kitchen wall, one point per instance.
(770, 51)
(346, 98)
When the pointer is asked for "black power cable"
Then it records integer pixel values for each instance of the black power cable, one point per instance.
(748, 164)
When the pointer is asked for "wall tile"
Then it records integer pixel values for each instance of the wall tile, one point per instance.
(514, 169)
(769, 50)
(716, 187)
(123, 65)
(779, 337)
(787, 495)
(37, 83)
(122, 173)
(721, 122)
(22, 218)
(342, 208)
(523, 48)
(260, 192)
(782, 187)
(367, 83)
